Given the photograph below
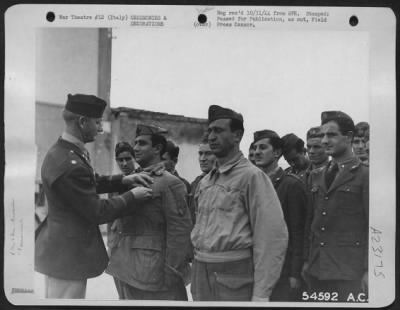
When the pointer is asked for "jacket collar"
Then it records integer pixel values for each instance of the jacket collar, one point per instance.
(225, 168)
(74, 140)
(276, 175)
(76, 149)
(346, 172)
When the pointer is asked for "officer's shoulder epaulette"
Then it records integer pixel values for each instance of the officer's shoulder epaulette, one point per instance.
(293, 176)
(59, 162)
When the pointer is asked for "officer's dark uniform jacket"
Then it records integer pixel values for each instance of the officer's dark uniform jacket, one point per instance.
(338, 243)
(155, 240)
(69, 244)
(302, 174)
(293, 198)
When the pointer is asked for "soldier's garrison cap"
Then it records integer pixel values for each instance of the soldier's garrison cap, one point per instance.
(328, 116)
(216, 112)
(142, 129)
(291, 141)
(314, 132)
(262, 134)
(123, 147)
(85, 105)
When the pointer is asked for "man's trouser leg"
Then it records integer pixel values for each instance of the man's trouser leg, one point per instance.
(61, 288)
(345, 290)
(178, 292)
(229, 281)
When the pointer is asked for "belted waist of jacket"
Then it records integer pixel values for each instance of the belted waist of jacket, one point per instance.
(221, 257)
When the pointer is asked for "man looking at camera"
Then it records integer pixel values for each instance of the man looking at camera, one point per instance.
(69, 248)
(150, 259)
(240, 236)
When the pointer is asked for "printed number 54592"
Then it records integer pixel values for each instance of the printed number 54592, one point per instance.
(320, 296)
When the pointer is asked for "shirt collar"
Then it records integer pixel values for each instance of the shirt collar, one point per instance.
(352, 161)
(156, 169)
(225, 168)
(274, 173)
(72, 139)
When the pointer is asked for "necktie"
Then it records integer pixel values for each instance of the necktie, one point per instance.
(331, 174)
(87, 156)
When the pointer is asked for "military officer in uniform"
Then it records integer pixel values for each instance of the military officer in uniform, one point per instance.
(151, 257)
(292, 195)
(69, 248)
(240, 236)
(294, 153)
(338, 244)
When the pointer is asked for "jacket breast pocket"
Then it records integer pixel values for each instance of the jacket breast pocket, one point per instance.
(349, 199)
(226, 198)
(233, 287)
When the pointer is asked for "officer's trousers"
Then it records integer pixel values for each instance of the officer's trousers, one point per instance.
(230, 281)
(340, 290)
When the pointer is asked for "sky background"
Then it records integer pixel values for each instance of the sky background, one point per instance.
(279, 80)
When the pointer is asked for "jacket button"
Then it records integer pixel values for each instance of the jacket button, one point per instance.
(322, 243)
(357, 243)
(324, 213)
(322, 228)
(326, 197)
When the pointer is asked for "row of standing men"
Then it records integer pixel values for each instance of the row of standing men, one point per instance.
(245, 231)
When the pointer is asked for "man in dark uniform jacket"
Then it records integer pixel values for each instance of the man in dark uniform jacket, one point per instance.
(294, 153)
(69, 248)
(151, 257)
(338, 243)
(292, 195)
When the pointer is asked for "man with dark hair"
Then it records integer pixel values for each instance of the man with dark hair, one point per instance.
(151, 256)
(125, 157)
(170, 159)
(292, 195)
(207, 161)
(338, 242)
(69, 248)
(251, 154)
(294, 153)
(240, 236)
